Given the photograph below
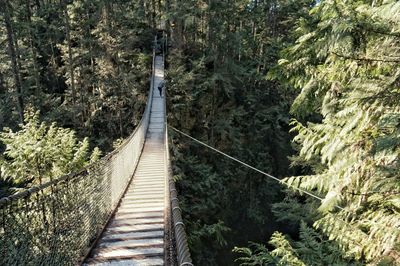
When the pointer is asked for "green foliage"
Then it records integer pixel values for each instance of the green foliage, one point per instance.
(284, 251)
(213, 234)
(291, 211)
(346, 64)
(84, 64)
(219, 93)
(231, 89)
(256, 255)
(311, 249)
(37, 153)
(232, 70)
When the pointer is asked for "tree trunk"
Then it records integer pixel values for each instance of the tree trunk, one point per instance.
(107, 15)
(70, 58)
(153, 13)
(33, 49)
(2, 84)
(2, 101)
(121, 127)
(13, 56)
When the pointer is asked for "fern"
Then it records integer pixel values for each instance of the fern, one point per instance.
(312, 249)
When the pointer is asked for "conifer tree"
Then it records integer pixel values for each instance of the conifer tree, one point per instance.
(82, 63)
(219, 93)
(346, 65)
(38, 152)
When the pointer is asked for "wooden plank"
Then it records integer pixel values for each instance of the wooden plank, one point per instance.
(135, 235)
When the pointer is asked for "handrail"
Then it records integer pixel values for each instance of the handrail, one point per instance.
(85, 169)
(181, 246)
(146, 111)
(57, 222)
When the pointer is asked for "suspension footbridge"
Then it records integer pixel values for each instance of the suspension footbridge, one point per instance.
(121, 210)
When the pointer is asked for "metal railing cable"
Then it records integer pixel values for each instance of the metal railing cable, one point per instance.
(56, 223)
(251, 167)
(286, 184)
(181, 248)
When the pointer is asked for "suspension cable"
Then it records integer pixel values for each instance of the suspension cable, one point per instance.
(252, 167)
(276, 179)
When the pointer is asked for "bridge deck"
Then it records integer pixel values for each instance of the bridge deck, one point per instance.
(135, 235)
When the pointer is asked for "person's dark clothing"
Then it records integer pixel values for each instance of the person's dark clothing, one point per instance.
(160, 87)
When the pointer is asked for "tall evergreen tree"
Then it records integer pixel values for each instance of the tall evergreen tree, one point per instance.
(346, 65)
(13, 53)
(219, 93)
(83, 63)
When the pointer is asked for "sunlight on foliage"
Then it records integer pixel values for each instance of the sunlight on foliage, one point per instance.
(39, 152)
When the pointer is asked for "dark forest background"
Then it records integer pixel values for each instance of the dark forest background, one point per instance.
(307, 91)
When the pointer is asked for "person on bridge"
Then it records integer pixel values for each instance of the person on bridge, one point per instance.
(161, 85)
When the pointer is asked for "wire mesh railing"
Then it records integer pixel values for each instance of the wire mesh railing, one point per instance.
(181, 248)
(180, 252)
(56, 223)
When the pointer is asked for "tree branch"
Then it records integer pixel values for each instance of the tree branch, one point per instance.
(367, 59)
(383, 193)
(384, 33)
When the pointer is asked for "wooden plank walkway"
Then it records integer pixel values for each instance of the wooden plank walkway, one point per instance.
(135, 235)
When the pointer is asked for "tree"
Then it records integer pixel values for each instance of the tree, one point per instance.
(346, 65)
(12, 50)
(84, 64)
(311, 249)
(219, 93)
(39, 153)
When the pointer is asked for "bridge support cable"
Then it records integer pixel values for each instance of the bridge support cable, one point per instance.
(120, 209)
(179, 250)
(147, 227)
(136, 232)
(281, 182)
(251, 167)
(57, 222)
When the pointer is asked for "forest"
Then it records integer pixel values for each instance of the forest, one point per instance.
(307, 91)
